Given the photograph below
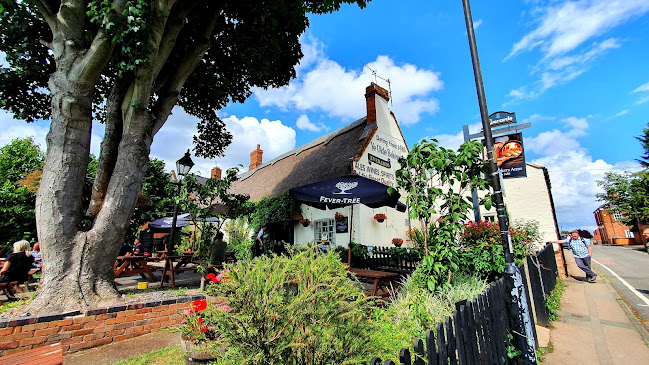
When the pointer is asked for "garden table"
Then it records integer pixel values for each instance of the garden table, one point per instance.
(380, 279)
(176, 264)
(129, 265)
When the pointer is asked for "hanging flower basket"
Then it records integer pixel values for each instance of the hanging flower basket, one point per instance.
(305, 222)
(397, 242)
(338, 217)
(380, 217)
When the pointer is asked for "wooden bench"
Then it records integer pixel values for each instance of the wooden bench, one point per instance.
(44, 355)
(382, 280)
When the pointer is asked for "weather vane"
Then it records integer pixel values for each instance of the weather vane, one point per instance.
(376, 77)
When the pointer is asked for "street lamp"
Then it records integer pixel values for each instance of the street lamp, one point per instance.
(520, 314)
(183, 165)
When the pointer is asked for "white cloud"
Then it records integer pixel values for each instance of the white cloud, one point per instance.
(175, 138)
(561, 70)
(640, 88)
(621, 113)
(324, 85)
(453, 141)
(303, 123)
(476, 24)
(564, 34)
(565, 26)
(642, 100)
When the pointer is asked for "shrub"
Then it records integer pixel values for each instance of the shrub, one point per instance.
(415, 310)
(482, 250)
(293, 310)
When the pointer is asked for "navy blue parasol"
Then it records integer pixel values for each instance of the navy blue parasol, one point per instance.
(346, 190)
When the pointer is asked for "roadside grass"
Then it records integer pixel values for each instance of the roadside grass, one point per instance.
(553, 302)
(172, 355)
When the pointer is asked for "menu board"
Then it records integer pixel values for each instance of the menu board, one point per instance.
(341, 225)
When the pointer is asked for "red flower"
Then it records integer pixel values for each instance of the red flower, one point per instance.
(210, 276)
(200, 320)
(199, 305)
(204, 329)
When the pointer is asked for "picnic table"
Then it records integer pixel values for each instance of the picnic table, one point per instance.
(380, 279)
(133, 264)
(174, 265)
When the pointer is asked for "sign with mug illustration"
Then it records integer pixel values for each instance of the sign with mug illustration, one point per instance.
(510, 155)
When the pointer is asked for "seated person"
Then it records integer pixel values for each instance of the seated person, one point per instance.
(17, 265)
(217, 255)
(126, 250)
(139, 248)
(36, 254)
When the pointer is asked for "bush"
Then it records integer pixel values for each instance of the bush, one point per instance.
(482, 250)
(415, 310)
(293, 310)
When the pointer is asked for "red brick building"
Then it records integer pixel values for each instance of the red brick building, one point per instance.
(611, 231)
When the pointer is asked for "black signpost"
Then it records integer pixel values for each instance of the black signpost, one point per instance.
(520, 313)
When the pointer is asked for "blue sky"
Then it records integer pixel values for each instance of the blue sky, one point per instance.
(577, 70)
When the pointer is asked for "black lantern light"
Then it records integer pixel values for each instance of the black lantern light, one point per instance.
(183, 165)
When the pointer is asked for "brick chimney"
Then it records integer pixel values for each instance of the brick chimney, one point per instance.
(370, 100)
(255, 158)
(216, 173)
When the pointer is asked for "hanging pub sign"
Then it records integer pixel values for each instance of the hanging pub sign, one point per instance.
(501, 118)
(510, 155)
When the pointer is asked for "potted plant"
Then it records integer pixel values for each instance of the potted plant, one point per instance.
(397, 242)
(380, 217)
(338, 217)
(305, 222)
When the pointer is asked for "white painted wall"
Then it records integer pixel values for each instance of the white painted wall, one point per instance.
(527, 198)
(365, 230)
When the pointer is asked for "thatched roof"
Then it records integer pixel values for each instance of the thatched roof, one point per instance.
(325, 158)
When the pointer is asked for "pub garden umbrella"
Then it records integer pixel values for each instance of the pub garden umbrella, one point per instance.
(347, 190)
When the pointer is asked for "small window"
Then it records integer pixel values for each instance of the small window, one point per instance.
(489, 218)
(628, 234)
(617, 216)
(325, 228)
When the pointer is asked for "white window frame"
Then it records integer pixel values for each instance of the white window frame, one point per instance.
(325, 225)
(629, 234)
(490, 218)
(618, 215)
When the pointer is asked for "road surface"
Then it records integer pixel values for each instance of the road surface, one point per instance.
(627, 267)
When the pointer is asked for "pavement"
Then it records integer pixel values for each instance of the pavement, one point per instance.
(596, 325)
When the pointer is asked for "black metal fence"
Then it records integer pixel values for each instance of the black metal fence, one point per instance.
(479, 331)
(385, 259)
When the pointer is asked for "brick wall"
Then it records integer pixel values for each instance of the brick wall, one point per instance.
(76, 331)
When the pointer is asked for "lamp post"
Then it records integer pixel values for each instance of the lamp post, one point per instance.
(520, 314)
(183, 165)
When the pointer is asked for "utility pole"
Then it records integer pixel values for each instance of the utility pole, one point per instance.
(520, 314)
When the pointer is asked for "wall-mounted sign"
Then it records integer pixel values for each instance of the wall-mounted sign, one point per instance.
(510, 155)
(341, 225)
(377, 161)
(502, 118)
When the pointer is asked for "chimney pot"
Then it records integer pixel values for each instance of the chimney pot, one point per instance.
(216, 173)
(256, 158)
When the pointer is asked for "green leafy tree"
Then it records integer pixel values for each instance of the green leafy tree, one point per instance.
(438, 181)
(128, 63)
(18, 160)
(627, 193)
(644, 140)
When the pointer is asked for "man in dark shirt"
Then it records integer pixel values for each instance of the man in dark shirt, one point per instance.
(125, 250)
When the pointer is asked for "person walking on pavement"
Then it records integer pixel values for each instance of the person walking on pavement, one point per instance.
(582, 251)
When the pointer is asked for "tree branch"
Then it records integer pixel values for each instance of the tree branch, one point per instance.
(46, 8)
(109, 147)
(96, 58)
